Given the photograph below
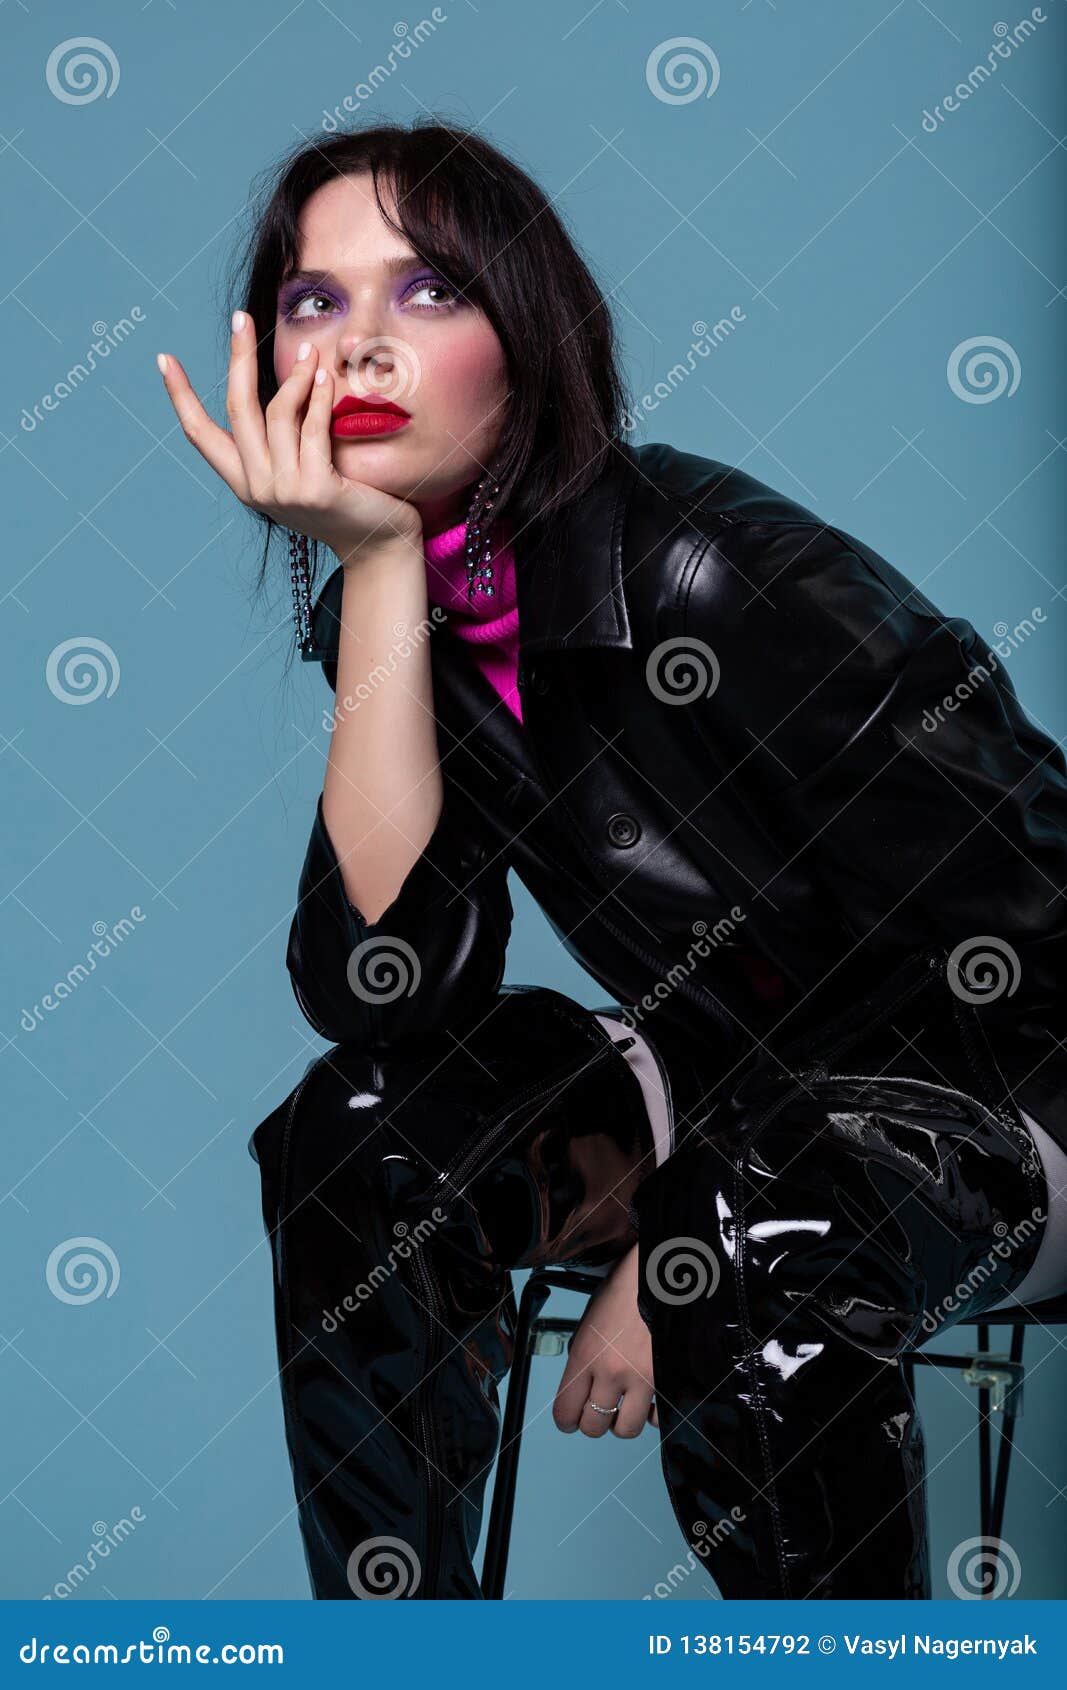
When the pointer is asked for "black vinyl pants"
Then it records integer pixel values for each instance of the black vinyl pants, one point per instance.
(791, 1248)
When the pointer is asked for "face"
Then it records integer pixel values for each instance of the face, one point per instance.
(390, 330)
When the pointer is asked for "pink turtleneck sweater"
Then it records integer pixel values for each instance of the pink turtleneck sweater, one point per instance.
(490, 624)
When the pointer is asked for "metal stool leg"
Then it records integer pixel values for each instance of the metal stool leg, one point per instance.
(533, 1336)
(1007, 1434)
(999, 1383)
(535, 1294)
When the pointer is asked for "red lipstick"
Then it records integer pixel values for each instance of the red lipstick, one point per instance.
(354, 418)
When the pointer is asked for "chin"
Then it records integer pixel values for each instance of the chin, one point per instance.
(370, 460)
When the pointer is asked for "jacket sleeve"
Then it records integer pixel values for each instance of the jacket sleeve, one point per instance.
(434, 958)
(890, 742)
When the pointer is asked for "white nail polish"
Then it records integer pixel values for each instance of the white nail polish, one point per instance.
(320, 377)
(238, 321)
(303, 349)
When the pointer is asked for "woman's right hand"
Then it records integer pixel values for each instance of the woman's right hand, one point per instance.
(280, 461)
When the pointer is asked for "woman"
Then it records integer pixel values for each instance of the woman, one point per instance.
(821, 1117)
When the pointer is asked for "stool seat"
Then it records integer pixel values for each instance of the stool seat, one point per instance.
(998, 1379)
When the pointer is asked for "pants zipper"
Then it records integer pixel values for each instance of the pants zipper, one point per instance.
(425, 1426)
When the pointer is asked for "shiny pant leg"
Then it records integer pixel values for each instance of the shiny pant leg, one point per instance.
(785, 1265)
(397, 1195)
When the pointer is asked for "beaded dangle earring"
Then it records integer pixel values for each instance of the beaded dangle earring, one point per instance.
(300, 571)
(480, 536)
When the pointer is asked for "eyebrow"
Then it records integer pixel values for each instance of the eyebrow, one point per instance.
(391, 266)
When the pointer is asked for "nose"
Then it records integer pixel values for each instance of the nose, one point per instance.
(364, 362)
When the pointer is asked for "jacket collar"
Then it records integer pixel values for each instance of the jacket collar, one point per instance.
(569, 585)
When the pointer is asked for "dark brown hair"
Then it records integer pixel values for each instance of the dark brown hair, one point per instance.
(491, 233)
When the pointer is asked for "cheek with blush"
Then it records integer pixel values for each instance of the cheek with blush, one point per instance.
(468, 379)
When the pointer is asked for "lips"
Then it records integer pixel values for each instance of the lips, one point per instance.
(354, 417)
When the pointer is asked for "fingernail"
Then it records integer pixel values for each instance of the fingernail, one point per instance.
(320, 376)
(163, 361)
(303, 349)
(238, 321)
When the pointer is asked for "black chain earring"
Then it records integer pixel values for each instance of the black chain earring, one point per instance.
(480, 536)
(300, 570)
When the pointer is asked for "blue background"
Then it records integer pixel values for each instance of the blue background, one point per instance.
(861, 249)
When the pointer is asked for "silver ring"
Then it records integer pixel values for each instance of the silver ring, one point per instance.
(599, 1410)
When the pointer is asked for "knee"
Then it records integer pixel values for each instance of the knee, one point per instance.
(360, 1130)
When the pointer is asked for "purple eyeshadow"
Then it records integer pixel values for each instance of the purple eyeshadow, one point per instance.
(291, 292)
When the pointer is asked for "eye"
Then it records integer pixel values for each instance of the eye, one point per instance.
(306, 305)
(431, 284)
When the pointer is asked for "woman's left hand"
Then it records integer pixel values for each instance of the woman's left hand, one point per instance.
(610, 1357)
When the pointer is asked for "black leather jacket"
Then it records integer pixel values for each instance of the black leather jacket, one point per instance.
(757, 769)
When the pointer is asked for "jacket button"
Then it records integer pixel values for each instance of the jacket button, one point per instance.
(623, 829)
(538, 680)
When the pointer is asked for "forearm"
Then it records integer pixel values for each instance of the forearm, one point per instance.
(382, 792)
(623, 1275)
